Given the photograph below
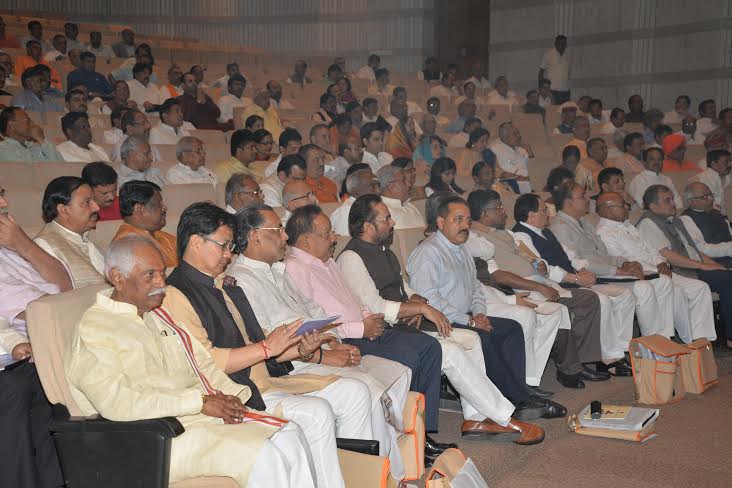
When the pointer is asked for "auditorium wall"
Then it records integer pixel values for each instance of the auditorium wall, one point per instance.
(399, 30)
(657, 48)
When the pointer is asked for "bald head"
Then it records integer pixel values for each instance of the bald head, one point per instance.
(612, 206)
(296, 194)
(698, 196)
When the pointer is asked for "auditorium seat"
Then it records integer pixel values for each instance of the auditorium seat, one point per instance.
(178, 197)
(45, 171)
(103, 234)
(25, 206)
(17, 174)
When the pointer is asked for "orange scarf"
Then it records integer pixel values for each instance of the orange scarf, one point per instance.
(399, 145)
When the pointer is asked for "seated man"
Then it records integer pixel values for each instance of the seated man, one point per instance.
(370, 108)
(324, 188)
(716, 176)
(221, 438)
(70, 212)
(135, 123)
(311, 268)
(137, 162)
(23, 140)
(33, 59)
(174, 87)
(259, 273)
(262, 107)
(613, 180)
(242, 191)
(296, 194)
(33, 96)
(218, 315)
(581, 132)
(654, 297)
(707, 226)
(243, 153)
(573, 346)
(373, 272)
(512, 157)
(96, 83)
(290, 168)
(350, 152)
(198, 108)
(78, 147)
(142, 208)
(27, 272)
(102, 178)
(372, 136)
(143, 91)
(674, 147)
(120, 98)
(290, 142)
(360, 182)
(394, 186)
(692, 307)
(172, 126)
(653, 162)
(617, 304)
(666, 233)
(191, 167)
(236, 85)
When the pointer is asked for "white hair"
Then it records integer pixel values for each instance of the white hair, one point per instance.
(129, 146)
(120, 254)
(387, 175)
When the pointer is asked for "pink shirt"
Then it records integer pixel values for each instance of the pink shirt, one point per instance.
(21, 284)
(323, 283)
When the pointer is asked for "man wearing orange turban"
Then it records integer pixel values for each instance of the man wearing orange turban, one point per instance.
(674, 147)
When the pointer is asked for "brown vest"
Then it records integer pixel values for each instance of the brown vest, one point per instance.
(74, 255)
(507, 256)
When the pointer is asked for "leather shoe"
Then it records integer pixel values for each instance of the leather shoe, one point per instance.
(516, 431)
(535, 391)
(589, 375)
(531, 409)
(570, 380)
(554, 410)
(432, 448)
(621, 368)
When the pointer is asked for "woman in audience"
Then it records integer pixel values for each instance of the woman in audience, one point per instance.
(347, 95)
(263, 147)
(254, 123)
(430, 149)
(570, 158)
(401, 140)
(556, 179)
(442, 178)
(473, 151)
(410, 170)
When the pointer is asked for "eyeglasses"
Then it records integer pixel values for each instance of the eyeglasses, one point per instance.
(330, 235)
(616, 205)
(385, 219)
(280, 229)
(225, 246)
(200, 150)
(307, 195)
(498, 207)
(253, 192)
(706, 196)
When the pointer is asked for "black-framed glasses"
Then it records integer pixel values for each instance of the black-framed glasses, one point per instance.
(279, 229)
(307, 195)
(388, 218)
(706, 196)
(253, 192)
(225, 246)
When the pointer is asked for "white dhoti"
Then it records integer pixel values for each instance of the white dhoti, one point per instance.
(654, 305)
(341, 409)
(208, 447)
(540, 329)
(617, 307)
(464, 366)
(382, 376)
(693, 312)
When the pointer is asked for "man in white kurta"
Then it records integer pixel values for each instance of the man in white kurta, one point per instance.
(129, 360)
(653, 162)
(512, 158)
(692, 299)
(275, 301)
(395, 189)
(716, 176)
(191, 167)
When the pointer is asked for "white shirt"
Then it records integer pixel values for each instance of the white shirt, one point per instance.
(716, 184)
(604, 118)
(141, 93)
(624, 240)
(556, 69)
(95, 256)
(495, 98)
(693, 139)
(72, 152)
(458, 140)
(125, 174)
(545, 102)
(231, 210)
(480, 83)
(720, 250)
(165, 93)
(339, 217)
(365, 73)
(272, 167)
(640, 183)
(113, 136)
(656, 239)
(405, 215)
(180, 174)
(512, 160)
(228, 103)
(165, 134)
(222, 83)
(116, 157)
(705, 125)
(377, 162)
(103, 51)
(608, 128)
(272, 190)
(336, 170)
(54, 55)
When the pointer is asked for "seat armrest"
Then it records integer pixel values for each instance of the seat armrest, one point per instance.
(62, 422)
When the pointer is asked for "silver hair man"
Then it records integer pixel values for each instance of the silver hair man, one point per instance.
(131, 145)
(185, 145)
(120, 254)
(387, 175)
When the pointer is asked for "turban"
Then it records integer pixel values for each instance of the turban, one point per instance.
(672, 142)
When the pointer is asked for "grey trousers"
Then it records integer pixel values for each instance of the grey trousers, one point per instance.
(582, 343)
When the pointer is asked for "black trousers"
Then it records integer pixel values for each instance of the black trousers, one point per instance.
(505, 357)
(559, 97)
(27, 451)
(417, 351)
(721, 282)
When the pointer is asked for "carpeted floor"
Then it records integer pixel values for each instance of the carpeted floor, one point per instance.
(693, 448)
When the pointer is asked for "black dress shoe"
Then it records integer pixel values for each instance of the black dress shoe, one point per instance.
(535, 391)
(589, 375)
(531, 409)
(570, 380)
(432, 448)
(620, 368)
(554, 410)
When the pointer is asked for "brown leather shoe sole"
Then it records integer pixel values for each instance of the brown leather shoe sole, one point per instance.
(489, 431)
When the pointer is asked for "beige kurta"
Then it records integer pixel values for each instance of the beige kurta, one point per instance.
(129, 368)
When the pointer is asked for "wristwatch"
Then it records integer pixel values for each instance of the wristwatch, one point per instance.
(471, 323)
(304, 357)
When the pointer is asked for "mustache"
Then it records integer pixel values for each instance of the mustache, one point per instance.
(156, 291)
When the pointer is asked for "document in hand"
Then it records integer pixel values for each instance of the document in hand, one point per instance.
(320, 325)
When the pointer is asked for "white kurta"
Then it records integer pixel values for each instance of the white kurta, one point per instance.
(181, 174)
(339, 218)
(276, 301)
(406, 215)
(125, 368)
(141, 93)
(376, 162)
(272, 189)
(719, 250)
(462, 354)
(513, 160)
(165, 134)
(228, 103)
(640, 183)
(70, 151)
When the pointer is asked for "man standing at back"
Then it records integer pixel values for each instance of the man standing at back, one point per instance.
(555, 67)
